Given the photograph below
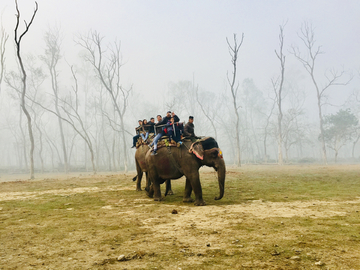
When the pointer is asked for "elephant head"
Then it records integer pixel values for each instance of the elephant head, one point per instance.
(209, 154)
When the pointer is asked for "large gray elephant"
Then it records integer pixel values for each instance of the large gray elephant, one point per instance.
(141, 168)
(174, 162)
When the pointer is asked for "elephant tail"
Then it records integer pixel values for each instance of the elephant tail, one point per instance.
(134, 179)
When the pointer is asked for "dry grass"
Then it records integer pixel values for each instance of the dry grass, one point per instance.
(290, 217)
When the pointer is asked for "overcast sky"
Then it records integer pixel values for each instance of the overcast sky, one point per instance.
(167, 40)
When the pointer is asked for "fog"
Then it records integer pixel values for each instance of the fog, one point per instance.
(168, 52)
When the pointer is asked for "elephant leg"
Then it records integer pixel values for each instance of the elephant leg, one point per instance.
(188, 190)
(168, 190)
(151, 177)
(150, 193)
(138, 182)
(147, 187)
(157, 191)
(196, 186)
(139, 177)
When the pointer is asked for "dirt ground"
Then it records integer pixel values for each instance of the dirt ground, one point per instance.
(101, 222)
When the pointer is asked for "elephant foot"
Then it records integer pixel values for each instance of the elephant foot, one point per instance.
(170, 192)
(150, 195)
(138, 189)
(199, 203)
(188, 200)
(157, 199)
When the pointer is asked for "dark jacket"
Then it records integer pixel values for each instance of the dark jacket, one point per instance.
(166, 119)
(189, 130)
(150, 127)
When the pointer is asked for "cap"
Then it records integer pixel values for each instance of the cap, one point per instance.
(191, 117)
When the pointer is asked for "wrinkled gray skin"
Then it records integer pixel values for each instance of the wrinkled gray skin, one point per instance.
(142, 168)
(162, 167)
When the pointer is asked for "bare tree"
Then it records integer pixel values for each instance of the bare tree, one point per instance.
(234, 50)
(3, 39)
(307, 36)
(18, 40)
(14, 81)
(36, 78)
(109, 76)
(353, 102)
(208, 111)
(293, 128)
(71, 108)
(278, 84)
(252, 102)
(266, 130)
(51, 59)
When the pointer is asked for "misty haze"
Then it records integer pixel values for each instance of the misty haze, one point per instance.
(270, 88)
(176, 56)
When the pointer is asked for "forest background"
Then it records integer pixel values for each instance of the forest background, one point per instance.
(272, 81)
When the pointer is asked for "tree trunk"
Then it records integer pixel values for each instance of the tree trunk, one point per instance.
(322, 139)
(234, 55)
(24, 144)
(354, 145)
(124, 145)
(23, 92)
(31, 136)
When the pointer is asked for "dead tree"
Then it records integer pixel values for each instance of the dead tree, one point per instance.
(14, 81)
(307, 37)
(353, 103)
(3, 39)
(18, 40)
(234, 50)
(51, 59)
(36, 79)
(109, 76)
(206, 111)
(266, 130)
(71, 108)
(278, 89)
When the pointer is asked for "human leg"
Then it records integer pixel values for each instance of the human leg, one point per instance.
(135, 138)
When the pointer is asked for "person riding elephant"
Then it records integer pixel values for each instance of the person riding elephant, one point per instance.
(152, 125)
(138, 132)
(172, 131)
(174, 162)
(189, 132)
(160, 132)
(167, 118)
(146, 129)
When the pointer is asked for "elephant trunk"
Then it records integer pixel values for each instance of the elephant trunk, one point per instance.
(221, 171)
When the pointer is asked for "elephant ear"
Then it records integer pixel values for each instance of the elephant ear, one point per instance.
(198, 150)
(214, 152)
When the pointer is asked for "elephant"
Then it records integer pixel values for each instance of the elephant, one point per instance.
(142, 168)
(175, 162)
